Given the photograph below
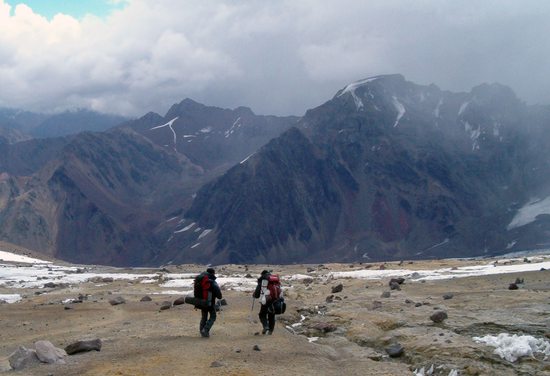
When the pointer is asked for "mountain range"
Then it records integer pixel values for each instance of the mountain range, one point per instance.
(386, 169)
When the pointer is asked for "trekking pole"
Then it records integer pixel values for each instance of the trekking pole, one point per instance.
(251, 310)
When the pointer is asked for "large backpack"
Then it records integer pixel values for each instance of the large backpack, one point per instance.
(274, 287)
(278, 305)
(201, 292)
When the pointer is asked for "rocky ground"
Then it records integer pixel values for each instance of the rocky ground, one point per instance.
(332, 326)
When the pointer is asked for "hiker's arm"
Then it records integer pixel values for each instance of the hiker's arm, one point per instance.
(216, 290)
(258, 289)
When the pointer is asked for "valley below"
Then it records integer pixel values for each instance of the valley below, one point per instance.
(341, 319)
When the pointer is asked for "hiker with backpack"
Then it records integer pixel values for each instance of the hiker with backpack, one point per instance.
(270, 294)
(206, 291)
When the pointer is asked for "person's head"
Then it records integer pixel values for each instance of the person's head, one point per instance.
(265, 272)
(211, 271)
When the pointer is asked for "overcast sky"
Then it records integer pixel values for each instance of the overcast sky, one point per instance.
(278, 57)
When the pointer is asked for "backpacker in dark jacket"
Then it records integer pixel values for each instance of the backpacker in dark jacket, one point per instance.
(205, 291)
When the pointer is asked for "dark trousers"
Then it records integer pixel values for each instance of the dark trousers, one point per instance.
(267, 318)
(206, 323)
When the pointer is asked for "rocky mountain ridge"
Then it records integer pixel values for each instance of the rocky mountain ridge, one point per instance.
(104, 197)
(387, 169)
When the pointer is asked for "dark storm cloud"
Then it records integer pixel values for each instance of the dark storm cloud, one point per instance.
(278, 57)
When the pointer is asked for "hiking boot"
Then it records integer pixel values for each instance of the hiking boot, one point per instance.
(204, 333)
(265, 331)
(270, 332)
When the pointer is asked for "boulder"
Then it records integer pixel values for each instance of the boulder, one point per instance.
(22, 358)
(83, 346)
(398, 280)
(48, 353)
(165, 305)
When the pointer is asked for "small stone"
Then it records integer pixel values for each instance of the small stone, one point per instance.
(22, 358)
(238, 350)
(216, 364)
(439, 316)
(146, 299)
(165, 305)
(448, 296)
(83, 346)
(395, 350)
(48, 353)
(385, 294)
(376, 304)
(418, 305)
(513, 286)
(408, 301)
(116, 301)
(398, 280)
(395, 286)
(329, 299)
(337, 288)
(256, 348)
(179, 301)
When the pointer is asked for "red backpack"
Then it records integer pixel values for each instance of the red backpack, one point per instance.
(274, 287)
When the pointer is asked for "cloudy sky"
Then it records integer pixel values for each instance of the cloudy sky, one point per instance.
(278, 57)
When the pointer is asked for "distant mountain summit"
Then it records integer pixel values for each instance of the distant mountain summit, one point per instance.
(211, 136)
(107, 197)
(386, 169)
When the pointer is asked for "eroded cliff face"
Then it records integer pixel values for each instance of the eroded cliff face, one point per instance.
(385, 170)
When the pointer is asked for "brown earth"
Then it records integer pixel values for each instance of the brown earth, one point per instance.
(140, 339)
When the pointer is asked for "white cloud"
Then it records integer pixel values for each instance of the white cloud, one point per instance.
(277, 57)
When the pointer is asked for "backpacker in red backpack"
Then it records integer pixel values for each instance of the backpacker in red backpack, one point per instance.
(275, 296)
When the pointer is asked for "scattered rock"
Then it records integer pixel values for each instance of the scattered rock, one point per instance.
(237, 350)
(248, 276)
(448, 296)
(22, 358)
(179, 301)
(385, 294)
(395, 286)
(395, 350)
(146, 298)
(48, 353)
(66, 308)
(256, 348)
(398, 280)
(376, 304)
(513, 286)
(83, 346)
(50, 285)
(439, 316)
(324, 327)
(107, 279)
(165, 305)
(310, 270)
(329, 299)
(408, 301)
(337, 288)
(216, 364)
(116, 301)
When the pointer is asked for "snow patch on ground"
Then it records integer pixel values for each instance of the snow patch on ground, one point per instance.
(10, 298)
(445, 273)
(513, 347)
(529, 212)
(12, 257)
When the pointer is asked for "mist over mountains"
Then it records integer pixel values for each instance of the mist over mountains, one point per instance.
(386, 169)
